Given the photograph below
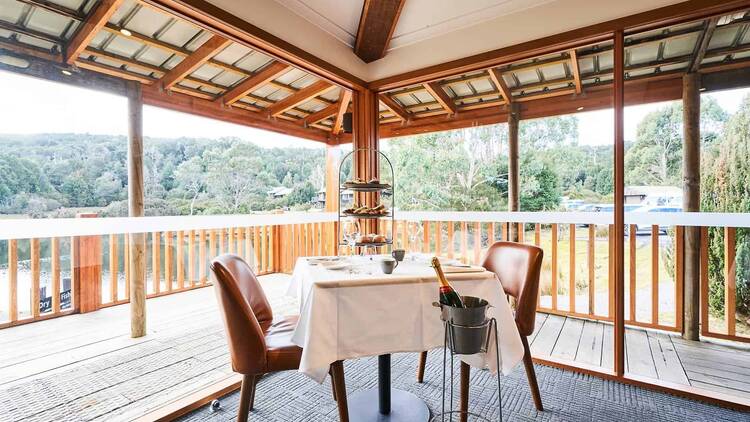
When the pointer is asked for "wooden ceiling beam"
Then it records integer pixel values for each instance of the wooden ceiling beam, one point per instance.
(344, 100)
(29, 50)
(299, 97)
(114, 71)
(702, 44)
(189, 64)
(319, 115)
(438, 93)
(90, 27)
(376, 25)
(395, 107)
(497, 79)
(576, 71)
(272, 71)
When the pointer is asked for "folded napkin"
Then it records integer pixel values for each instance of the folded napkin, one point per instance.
(462, 269)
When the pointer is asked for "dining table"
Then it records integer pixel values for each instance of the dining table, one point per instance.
(349, 308)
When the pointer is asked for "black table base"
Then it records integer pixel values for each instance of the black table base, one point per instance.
(394, 405)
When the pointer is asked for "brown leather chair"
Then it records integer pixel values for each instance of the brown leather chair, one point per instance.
(258, 342)
(517, 267)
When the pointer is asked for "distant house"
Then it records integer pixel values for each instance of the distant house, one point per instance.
(653, 195)
(279, 192)
(347, 197)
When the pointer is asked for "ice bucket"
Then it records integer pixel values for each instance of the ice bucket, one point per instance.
(468, 326)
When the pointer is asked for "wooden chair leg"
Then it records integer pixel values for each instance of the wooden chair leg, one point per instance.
(333, 383)
(247, 396)
(337, 369)
(531, 375)
(420, 366)
(464, 398)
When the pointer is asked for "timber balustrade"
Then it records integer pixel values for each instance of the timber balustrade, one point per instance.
(55, 267)
(64, 266)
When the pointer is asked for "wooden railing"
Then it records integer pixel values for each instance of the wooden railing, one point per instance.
(58, 267)
(654, 268)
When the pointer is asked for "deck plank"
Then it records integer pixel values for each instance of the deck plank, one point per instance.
(666, 360)
(538, 322)
(545, 341)
(638, 356)
(568, 340)
(608, 348)
(590, 345)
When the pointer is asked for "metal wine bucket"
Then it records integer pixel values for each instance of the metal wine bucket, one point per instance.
(473, 314)
(468, 326)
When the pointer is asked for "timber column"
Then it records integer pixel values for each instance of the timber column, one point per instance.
(366, 163)
(137, 244)
(514, 115)
(691, 110)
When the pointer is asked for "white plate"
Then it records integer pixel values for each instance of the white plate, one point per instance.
(335, 265)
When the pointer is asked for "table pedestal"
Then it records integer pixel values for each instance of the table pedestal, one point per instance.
(394, 405)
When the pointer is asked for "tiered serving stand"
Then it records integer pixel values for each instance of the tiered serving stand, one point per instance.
(385, 195)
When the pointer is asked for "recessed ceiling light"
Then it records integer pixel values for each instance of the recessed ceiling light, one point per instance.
(579, 108)
(125, 32)
(66, 72)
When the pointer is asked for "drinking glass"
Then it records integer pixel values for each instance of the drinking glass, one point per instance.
(350, 232)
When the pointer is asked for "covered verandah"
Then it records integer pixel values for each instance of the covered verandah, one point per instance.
(224, 68)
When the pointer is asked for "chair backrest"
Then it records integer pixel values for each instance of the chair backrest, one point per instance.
(245, 310)
(517, 266)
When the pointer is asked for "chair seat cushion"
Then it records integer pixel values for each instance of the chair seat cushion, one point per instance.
(281, 354)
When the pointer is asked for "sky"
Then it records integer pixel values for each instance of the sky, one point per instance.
(60, 108)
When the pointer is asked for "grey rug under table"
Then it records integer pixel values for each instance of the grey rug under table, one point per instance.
(567, 396)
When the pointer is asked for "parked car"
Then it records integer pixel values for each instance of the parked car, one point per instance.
(646, 228)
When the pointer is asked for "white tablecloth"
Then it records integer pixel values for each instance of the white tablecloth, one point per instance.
(346, 315)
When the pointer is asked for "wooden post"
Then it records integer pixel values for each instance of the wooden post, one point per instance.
(87, 270)
(366, 163)
(137, 243)
(619, 211)
(514, 116)
(333, 157)
(691, 110)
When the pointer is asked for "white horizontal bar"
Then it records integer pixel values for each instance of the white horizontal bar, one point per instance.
(698, 219)
(64, 227)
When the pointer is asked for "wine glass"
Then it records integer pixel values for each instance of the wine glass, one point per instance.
(414, 229)
(350, 232)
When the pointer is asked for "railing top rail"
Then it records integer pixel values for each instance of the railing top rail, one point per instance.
(698, 219)
(64, 227)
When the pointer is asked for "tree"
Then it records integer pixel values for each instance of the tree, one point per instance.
(78, 190)
(191, 178)
(540, 187)
(725, 187)
(656, 156)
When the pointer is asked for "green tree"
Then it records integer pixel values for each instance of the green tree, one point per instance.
(656, 156)
(191, 179)
(725, 187)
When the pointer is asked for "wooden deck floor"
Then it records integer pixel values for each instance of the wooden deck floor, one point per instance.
(651, 354)
(86, 367)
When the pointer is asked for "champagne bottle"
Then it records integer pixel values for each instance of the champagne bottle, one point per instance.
(448, 295)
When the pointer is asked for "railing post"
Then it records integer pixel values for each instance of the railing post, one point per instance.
(137, 241)
(514, 115)
(87, 270)
(691, 202)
